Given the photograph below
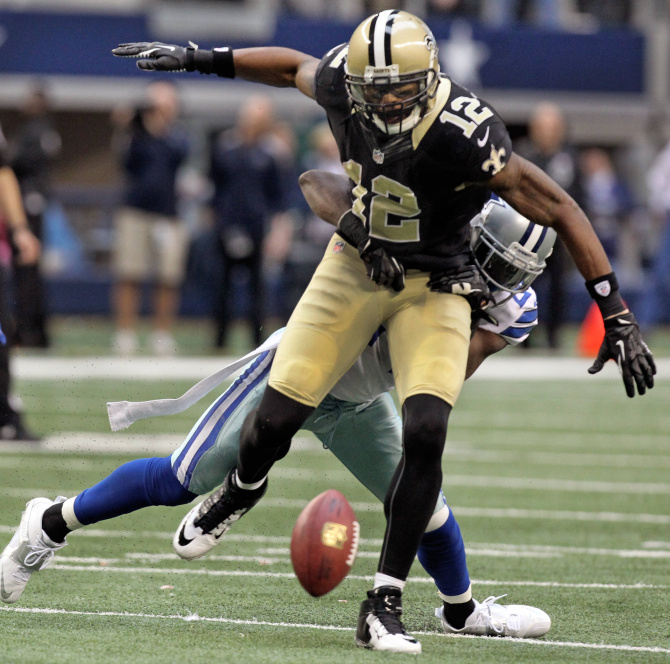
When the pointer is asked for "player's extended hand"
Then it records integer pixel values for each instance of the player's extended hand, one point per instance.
(623, 344)
(157, 56)
(465, 280)
(381, 267)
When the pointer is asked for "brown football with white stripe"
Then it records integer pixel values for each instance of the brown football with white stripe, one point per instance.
(324, 542)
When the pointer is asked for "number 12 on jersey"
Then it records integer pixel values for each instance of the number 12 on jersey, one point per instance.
(393, 207)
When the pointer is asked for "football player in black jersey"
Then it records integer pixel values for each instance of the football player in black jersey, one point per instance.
(422, 154)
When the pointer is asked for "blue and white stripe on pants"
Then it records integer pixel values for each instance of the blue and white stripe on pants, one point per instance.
(204, 434)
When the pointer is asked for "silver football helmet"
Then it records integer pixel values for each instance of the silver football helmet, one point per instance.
(510, 251)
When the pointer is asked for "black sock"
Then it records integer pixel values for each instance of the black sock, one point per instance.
(53, 523)
(456, 614)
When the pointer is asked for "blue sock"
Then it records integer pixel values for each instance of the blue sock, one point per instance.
(134, 485)
(442, 554)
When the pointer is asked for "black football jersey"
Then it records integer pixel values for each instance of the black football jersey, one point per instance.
(419, 204)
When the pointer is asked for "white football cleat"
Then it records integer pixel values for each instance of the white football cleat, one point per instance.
(491, 619)
(30, 550)
(379, 625)
(200, 530)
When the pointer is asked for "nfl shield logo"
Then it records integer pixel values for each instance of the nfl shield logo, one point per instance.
(338, 247)
(603, 288)
(377, 156)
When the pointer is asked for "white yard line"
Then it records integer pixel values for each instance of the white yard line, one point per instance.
(183, 571)
(194, 368)
(256, 623)
(126, 442)
(459, 511)
(482, 481)
(553, 459)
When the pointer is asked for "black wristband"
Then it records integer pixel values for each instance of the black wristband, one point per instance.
(351, 228)
(223, 62)
(218, 61)
(605, 291)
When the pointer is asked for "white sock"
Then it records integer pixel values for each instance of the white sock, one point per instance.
(248, 487)
(457, 599)
(69, 516)
(385, 580)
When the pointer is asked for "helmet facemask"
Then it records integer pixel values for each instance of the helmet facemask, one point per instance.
(390, 102)
(391, 76)
(500, 245)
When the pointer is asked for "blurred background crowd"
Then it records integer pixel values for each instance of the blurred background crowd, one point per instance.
(158, 198)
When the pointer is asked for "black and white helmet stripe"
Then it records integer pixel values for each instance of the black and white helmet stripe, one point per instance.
(380, 38)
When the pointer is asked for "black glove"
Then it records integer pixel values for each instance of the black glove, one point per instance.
(159, 56)
(623, 344)
(465, 280)
(381, 267)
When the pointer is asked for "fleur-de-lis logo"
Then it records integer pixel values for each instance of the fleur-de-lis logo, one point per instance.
(494, 162)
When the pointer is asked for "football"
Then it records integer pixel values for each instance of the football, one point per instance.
(324, 542)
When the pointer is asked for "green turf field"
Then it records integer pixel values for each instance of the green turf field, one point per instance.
(561, 489)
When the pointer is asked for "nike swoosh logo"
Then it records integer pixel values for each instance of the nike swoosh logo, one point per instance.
(149, 51)
(182, 540)
(3, 593)
(481, 143)
(621, 357)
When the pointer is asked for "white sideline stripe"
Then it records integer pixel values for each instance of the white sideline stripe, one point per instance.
(123, 443)
(289, 575)
(194, 617)
(194, 368)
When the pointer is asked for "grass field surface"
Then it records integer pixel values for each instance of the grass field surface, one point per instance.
(560, 487)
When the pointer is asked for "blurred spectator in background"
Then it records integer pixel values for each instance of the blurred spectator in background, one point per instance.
(150, 240)
(547, 13)
(546, 147)
(342, 10)
(32, 153)
(324, 155)
(247, 195)
(278, 240)
(469, 9)
(15, 236)
(656, 292)
(608, 202)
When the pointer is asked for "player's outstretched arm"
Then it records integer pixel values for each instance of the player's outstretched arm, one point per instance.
(536, 196)
(275, 66)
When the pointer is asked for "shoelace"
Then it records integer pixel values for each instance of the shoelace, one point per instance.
(388, 615)
(39, 557)
(214, 511)
(484, 616)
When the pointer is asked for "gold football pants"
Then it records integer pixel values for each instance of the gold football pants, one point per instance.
(429, 333)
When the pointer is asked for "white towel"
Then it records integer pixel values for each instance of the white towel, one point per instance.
(123, 413)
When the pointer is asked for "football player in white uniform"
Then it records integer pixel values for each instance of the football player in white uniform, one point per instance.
(356, 421)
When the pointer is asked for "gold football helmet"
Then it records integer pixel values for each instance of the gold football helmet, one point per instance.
(392, 71)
